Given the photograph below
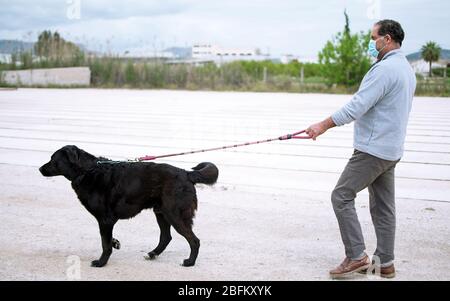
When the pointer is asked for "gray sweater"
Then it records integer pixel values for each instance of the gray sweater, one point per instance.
(381, 107)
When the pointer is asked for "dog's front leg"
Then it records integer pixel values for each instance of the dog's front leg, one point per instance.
(106, 230)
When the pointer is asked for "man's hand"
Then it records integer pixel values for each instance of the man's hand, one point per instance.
(318, 129)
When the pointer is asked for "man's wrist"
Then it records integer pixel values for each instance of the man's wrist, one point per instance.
(328, 123)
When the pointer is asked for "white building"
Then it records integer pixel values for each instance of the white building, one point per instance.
(421, 67)
(214, 53)
(146, 52)
(5, 58)
(208, 50)
(287, 58)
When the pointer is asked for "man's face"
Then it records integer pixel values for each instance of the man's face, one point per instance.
(381, 41)
(375, 36)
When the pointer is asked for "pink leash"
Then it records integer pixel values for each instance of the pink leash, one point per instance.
(285, 137)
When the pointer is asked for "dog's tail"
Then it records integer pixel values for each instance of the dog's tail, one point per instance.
(205, 173)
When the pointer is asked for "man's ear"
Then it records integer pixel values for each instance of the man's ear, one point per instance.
(388, 38)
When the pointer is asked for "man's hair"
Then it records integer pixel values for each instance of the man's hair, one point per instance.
(392, 28)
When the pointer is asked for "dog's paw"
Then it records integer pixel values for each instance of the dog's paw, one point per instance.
(115, 244)
(188, 263)
(97, 264)
(151, 255)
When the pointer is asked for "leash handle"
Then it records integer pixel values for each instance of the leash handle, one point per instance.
(146, 158)
(296, 135)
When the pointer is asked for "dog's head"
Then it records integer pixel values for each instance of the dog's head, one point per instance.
(64, 162)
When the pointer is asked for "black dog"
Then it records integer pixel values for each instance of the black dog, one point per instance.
(111, 191)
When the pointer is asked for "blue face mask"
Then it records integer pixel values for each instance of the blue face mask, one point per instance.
(372, 49)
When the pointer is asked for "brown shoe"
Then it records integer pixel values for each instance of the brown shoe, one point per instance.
(348, 267)
(386, 272)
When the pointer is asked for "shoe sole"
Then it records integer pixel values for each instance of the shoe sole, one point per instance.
(343, 275)
(389, 276)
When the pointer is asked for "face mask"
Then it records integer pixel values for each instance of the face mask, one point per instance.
(372, 49)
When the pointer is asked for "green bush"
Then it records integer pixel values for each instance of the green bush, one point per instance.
(440, 72)
(281, 82)
(131, 76)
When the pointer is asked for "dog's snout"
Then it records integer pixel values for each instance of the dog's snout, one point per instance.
(44, 170)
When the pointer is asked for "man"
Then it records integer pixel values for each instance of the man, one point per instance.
(380, 110)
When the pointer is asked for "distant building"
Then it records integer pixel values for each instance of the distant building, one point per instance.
(5, 58)
(287, 58)
(146, 52)
(219, 55)
(207, 50)
(421, 67)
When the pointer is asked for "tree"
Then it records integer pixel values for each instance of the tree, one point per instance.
(42, 46)
(53, 48)
(431, 52)
(344, 59)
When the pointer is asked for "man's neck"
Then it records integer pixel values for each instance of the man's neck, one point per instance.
(386, 51)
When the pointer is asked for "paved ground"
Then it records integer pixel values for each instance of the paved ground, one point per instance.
(268, 218)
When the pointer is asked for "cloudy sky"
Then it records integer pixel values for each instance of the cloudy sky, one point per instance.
(299, 27)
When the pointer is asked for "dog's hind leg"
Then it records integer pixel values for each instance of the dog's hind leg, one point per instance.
(107, 244)
(164, 238)
(185, 229)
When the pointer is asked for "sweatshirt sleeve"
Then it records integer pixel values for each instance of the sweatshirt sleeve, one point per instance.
(372, 89)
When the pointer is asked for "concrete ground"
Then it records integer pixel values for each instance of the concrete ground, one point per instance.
(269, 217)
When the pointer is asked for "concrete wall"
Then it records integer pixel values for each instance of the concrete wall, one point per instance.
(73, 76)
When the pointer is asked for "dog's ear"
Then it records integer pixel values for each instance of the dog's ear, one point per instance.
(72, 153)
